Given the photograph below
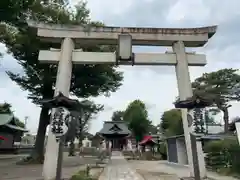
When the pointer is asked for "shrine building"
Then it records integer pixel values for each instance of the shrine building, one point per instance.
(117, 132)
(10, 133)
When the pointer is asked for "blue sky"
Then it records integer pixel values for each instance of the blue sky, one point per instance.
(156, 86)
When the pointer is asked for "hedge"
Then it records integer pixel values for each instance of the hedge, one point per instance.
(223, 155)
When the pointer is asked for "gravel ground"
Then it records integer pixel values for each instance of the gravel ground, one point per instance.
(161, 170)
(156, 175)
(9, 169)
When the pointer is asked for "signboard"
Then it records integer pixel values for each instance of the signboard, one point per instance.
(58, 124)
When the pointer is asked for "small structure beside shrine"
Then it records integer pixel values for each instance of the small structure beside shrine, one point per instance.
(176, 150)
(148, 143)
(117, 133)
(10, 132)
(176, 147)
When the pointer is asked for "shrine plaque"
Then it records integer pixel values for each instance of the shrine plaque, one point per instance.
(58, 124)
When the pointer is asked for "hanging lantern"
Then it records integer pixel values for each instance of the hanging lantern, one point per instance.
(61, 101)
(61, 107)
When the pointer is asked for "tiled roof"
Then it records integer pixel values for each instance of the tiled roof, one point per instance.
(16, 127)
(147, 139)
(114, 127)
(5, 118)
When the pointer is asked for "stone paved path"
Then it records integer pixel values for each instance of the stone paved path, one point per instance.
(119, 169)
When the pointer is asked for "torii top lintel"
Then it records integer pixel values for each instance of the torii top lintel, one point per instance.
(192, 37)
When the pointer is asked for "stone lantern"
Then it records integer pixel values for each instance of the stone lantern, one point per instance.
(196, 101)
(61, 101)
(60, 119)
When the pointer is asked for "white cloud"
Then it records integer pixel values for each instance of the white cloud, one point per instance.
(155, 85)
(188, 10)
(112, 7)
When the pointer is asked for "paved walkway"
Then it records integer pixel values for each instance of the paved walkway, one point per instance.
(119, 169)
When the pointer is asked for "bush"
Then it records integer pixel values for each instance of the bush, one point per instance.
(223, 155)
(82, 175)
(163, 151)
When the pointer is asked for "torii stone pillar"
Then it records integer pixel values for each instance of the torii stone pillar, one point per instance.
(237, 124)
(63, 81)
(185, 91)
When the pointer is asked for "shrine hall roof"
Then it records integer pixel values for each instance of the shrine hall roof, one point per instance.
(5, 118)
(114, 127)
(8, 120)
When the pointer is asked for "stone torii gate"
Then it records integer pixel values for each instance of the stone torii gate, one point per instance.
(70, 37)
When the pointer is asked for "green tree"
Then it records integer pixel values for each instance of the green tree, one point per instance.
(153, 129)
(117, 115)
(222, 87)
(79, 126)
(136, 116)
(5, 108)
(19, 122)
(85, 118)
(39, 79)
(171, 123)
(14, 11)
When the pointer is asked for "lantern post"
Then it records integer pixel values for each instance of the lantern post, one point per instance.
(196, 101)
(61, 107)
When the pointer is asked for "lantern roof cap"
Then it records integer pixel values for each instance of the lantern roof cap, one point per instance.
(62, 101)
(195, 101)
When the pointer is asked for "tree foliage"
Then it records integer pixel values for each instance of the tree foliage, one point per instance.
(153, 129)
(117, 115)
(87, 115)
(39, 79)
(5, 108)
(136, 116)
(171, 123)
(15, 11)
(87, 80)
(80, 123)
(222, 87)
